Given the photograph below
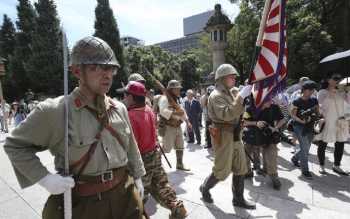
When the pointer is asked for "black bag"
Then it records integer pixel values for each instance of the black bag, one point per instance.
(252, 135)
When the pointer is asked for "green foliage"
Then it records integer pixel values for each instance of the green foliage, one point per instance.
(46, 63)
(313, 32)
(106, 28)
(7, 38)
(241, 39)
(22, 52)
(7, 45)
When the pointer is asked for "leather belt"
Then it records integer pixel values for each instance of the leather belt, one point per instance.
(92, 185)
(224, 125)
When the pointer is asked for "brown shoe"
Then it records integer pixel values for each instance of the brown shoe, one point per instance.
(178, 213)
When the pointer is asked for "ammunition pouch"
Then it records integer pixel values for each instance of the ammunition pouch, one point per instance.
(215, 133)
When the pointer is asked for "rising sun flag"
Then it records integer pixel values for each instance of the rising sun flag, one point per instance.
(269, 71)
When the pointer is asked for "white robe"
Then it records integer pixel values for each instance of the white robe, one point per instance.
(332, 107)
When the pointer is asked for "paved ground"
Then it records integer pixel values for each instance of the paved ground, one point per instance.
(323, 197)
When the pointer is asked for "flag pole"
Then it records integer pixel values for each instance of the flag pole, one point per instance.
(262, 23)
(68, 193)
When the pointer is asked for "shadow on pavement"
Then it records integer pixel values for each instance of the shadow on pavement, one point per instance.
(279, 205)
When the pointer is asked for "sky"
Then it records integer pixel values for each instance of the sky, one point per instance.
(153, 21)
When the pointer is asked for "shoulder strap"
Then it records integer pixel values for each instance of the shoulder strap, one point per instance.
(111, 130)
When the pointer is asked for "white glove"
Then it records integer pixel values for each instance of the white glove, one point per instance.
(139, 186)
(56, 184)
(245, 91)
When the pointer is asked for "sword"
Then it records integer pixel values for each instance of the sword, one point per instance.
(68, 193)
(163, 153)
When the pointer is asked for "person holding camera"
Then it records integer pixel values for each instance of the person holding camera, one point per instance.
(266, 125)
(302, 112)
(336, 128)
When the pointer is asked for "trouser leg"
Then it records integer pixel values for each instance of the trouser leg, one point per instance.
(179, 161)
(338, 153)
(208, 183)
(238, 193)
(321, 152)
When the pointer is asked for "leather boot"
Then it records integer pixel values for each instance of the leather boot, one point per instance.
(179, 161)
(178, 213)
(276, 183)
(208, 183)
(238, 193)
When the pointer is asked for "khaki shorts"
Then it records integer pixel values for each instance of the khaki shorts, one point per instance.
(173, 138)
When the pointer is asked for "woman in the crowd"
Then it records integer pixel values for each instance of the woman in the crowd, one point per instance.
(19, 113)
(302, 107)
(336, 128)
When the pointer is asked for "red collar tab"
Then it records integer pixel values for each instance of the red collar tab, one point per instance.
(78, 103)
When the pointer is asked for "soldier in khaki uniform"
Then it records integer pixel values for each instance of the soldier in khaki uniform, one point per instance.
(171, 116)
(103, 154)
(225, 110)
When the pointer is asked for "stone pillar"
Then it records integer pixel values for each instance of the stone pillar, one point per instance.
(218, 25)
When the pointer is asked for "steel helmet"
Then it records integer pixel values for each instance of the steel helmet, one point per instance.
(93, 50)
(225, 69)
(136, 77)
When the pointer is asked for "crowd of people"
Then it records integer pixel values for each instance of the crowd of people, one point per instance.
(15, 113)
(116, 147)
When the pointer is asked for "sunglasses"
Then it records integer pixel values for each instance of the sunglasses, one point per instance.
(104, 68)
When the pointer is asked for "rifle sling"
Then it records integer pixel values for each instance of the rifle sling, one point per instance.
(84, 160)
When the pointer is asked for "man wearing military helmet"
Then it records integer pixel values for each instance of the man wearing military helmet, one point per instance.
(171, 117)
(224, 110)
(138, 78)
(104, 159)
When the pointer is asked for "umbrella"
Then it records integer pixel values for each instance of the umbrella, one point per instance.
(335, 56)
(345, 81)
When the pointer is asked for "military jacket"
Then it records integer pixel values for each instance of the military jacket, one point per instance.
(44, 130)
(223, 107)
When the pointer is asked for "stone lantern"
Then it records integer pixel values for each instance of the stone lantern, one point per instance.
(218, 25)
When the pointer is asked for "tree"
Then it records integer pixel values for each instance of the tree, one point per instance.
(23, 52)
(7, 39)
(46, 64)
(189, 70)
(7, 45)
(106, 28)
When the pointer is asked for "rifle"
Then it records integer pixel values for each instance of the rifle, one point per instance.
(68, 194)
(172, 101)
(163, 153)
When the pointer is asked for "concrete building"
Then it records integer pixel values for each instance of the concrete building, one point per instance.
(129, 40)
(193, 28)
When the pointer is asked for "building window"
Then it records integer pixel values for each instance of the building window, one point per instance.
(221, 35)
(215, 35)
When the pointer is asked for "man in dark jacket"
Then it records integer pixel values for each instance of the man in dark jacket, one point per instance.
(193, 110)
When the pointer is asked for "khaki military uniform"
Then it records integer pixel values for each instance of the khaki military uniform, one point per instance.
(44, 130)
(224, 110)
(173, 137)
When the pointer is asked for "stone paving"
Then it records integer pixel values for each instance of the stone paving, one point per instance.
(326, 196)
